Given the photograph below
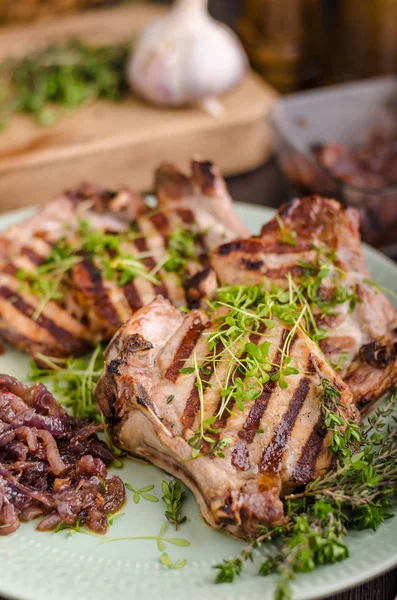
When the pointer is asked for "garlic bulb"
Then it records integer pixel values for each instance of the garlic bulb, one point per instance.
(186, 57)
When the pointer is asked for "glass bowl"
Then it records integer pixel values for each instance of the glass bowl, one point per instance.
(343, 114)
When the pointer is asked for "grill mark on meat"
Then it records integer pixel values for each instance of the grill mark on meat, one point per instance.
(28, 310)
(150, 263)
(250, 246)
(93, 283)
(132, 296)
(193, 403)
(186, 215)
(261, 403)
(305, 467)
(184, 350)
(252, 265)
(258, 409)
(35, 258)
(160, 222)
(240, 456)
(194, 291)
(272, 455)
(256, 245)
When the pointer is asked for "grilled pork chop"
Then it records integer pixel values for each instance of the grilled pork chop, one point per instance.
(316, 242)
(91, 300)
(270, 445)
(61, 327)
(193, 215)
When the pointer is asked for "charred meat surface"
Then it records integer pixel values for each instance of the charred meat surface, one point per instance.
(313, 248)
(38, 308)
(51, 465)
(193, 216)
(72, 274)
(163, 394)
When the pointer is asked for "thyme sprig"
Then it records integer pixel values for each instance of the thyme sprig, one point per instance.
(346, 433)
(173, 496)
(356, 495)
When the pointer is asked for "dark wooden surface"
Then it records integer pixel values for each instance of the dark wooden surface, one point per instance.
(267, 186)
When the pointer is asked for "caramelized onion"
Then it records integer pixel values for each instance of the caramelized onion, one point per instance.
(51, 464)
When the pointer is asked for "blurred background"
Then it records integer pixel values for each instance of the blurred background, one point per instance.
(293, 43)
(68, 111)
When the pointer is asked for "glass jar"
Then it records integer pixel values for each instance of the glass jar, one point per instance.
(284, 40)
(367, 38)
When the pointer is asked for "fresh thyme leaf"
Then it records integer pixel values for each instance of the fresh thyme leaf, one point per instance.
(346, 433)
(170, 398)
(142, 493)
(228, 570)
(173, 496)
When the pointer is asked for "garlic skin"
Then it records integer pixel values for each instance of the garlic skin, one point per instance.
(186, 57)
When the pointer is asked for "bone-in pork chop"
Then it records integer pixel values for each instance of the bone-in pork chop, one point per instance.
(313, 247)
(72, 274)
(165, 394)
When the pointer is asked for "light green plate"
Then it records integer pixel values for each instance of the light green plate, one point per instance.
(49, 566)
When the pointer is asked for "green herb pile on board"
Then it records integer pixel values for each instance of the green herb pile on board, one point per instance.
(61, 76)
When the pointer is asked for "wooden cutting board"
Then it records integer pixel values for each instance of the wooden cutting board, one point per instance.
(116, 144)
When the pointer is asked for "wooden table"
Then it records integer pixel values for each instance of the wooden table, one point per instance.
(267, 186)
